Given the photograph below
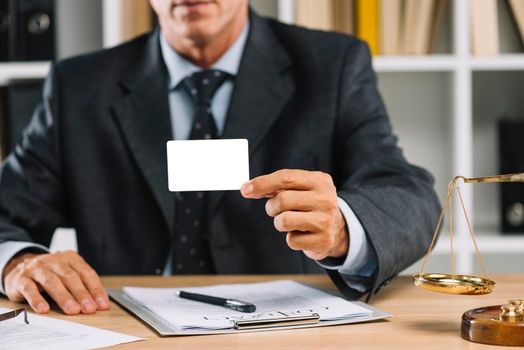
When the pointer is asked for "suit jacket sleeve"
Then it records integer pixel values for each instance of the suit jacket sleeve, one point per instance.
(394, 201)
(32, 203)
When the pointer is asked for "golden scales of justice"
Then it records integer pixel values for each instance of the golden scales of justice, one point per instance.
(496, 325)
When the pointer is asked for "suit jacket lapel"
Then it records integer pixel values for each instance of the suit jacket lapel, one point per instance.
(262, 90)
(144, 118)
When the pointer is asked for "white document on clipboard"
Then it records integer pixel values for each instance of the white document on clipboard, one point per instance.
(273, 300)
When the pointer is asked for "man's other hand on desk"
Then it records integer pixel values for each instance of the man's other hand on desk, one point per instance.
(303, 204)
(65, 276)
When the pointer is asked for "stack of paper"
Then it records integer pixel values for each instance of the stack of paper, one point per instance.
(272, 299)
(49, 333)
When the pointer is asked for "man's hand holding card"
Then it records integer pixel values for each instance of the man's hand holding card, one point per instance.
(303, 203)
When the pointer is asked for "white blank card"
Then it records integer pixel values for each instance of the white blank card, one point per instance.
(207, 165)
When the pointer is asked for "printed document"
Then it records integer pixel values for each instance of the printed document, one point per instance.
(50, 333)
(272, 299)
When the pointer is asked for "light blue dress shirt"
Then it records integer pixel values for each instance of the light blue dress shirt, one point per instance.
(360, 260)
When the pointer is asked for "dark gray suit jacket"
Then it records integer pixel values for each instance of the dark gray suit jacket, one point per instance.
(94, 156)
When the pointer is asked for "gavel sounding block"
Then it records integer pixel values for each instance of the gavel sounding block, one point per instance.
(487, 325)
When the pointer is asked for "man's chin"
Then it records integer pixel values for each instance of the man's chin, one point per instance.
(200, 32)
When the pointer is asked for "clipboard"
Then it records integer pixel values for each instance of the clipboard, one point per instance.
(166, 329)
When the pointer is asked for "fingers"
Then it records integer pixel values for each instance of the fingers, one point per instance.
(300, 221)
(312, 244)
(52, 284)
(286, 179)
(305, 205)
(71, 280)
(91, 280)
(29, 291)
(65, 276)
(291, 201)
(315, 233)
(300, 240)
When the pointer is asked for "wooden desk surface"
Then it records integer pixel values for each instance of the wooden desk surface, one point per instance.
(420, 319)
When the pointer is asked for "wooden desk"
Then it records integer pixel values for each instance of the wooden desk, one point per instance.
(420, 319)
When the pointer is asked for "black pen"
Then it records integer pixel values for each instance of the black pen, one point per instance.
(234, 304)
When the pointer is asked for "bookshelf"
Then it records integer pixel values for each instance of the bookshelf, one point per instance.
(443, 107)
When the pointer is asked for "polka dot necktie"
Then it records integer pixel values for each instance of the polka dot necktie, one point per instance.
(191, 251)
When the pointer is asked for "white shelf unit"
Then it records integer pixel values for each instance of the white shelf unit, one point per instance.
(443, 107)
(434, 63)
(22, 70)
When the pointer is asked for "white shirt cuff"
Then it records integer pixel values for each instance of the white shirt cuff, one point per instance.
(360, 260)
(11, 248)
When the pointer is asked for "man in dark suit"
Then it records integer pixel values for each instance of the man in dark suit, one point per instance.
(321, 150)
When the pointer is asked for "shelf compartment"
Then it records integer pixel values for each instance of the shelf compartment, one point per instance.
(506, 62)
(419, 108)
(22, 70)
(429, 63)
(496, 94)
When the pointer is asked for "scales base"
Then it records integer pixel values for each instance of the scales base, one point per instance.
(482, 325)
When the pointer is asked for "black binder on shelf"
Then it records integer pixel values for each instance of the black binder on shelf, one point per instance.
(4, 30)
(511, 155)
(32, 30)
(21, 98)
